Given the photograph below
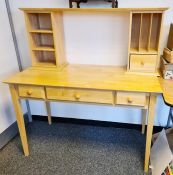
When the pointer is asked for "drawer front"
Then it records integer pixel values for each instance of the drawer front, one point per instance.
(141, 63)
(93, 96)
(134, 99)
(31, 91)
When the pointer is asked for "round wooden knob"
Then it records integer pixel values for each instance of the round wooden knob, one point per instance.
(77, 96)
(129, 100)
(142, 63)
(29, 92)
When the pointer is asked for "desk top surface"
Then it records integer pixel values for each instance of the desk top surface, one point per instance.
(167, 86)
(88, 77)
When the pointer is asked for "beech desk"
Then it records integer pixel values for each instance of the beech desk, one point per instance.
(88, 84)
(52, 78)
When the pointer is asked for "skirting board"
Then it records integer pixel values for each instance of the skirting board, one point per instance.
(10, 132)
(94, 123)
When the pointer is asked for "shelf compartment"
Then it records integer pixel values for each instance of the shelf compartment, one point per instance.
(46, 57)
(145, 32)
(155, 31)
(41, 31)
(42, 40)
(135, 31)
(40, 21)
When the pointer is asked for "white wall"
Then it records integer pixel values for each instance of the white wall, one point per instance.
(111, 49)
(8, 66)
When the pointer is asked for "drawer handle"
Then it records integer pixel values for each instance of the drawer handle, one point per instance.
(142, 63)
(77, 96)
(29, 92)
(129, 100)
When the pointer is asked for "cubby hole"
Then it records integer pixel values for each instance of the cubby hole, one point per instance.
(42, 40)
(155, 31)
(135, 32)
(145, 32)
(40, 21)
(46, 57)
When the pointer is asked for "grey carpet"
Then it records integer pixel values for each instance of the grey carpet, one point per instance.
(71, 149)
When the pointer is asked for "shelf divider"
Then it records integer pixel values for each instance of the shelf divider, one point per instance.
(140, 33)
(43, 48)
(149, 36)
(41, 31)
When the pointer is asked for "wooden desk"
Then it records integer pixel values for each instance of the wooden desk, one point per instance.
(135, 85)
(88, 84)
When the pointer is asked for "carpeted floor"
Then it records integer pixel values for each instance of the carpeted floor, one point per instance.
(71, 149)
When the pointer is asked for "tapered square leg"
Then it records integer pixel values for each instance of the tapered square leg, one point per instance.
(19, 118)
(151, 112)
(48, 112)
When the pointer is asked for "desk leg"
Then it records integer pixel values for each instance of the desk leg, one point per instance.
(19, 118)
(144, 117)
(151, 112)
(48, 112)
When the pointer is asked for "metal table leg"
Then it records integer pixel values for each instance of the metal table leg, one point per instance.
(170, 117)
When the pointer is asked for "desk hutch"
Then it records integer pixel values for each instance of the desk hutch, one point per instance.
(51, 78)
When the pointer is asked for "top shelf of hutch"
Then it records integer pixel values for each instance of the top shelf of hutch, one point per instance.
(92, 9)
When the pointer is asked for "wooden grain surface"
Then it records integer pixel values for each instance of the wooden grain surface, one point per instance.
(31, 91)
(19, 118)
(92, 9)
(143, 63)
(167, 86)
(88, 77)
(151, 114)
(78, 95)
(132, 99)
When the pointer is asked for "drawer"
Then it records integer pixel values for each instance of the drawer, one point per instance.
(146, 63)
(134, 99)
(31, 91)
(93, 96)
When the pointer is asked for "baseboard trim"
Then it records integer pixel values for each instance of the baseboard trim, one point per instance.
(94, 123)
(10, 132)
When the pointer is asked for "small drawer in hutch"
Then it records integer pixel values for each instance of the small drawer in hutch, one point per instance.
(145, 63)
